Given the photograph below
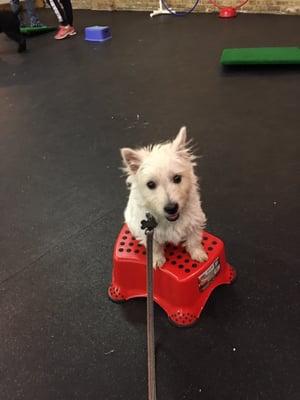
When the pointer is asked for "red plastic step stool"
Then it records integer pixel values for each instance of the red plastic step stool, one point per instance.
(182, 286)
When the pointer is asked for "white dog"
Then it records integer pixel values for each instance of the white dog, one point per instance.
(162, 182)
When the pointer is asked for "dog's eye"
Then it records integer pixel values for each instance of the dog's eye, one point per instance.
(151, 185)
(177, 178)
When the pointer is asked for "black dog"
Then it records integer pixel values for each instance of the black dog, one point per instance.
(10, 25)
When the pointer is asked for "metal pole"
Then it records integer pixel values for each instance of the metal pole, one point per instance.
(150, 319)
(149, 225)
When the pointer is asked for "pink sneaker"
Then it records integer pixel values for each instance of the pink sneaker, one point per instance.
(71, 31)
(64, 32)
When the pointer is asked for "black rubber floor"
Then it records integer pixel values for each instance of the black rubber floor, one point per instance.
(66, 109)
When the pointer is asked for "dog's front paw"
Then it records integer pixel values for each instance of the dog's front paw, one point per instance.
(199, 254)
(158, 260)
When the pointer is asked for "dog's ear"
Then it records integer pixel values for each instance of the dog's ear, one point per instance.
(183, 147)
(131, 159)
(180, 140)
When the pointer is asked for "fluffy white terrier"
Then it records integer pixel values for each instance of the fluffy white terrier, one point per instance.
(162, 181)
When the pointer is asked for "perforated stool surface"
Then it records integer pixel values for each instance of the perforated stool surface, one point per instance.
(181, 286)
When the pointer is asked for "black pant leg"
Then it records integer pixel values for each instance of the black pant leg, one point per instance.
(58, 11)
(67, 5)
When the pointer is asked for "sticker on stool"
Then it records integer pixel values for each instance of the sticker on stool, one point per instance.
(209, 275)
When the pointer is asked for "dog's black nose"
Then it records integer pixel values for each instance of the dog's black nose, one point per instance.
(171, 208)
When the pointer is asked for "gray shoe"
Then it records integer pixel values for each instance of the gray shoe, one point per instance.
(35, 23)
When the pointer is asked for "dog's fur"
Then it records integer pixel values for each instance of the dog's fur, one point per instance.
(160, 164)
(10, 25)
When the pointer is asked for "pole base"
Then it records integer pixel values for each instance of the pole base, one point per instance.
(227, 12)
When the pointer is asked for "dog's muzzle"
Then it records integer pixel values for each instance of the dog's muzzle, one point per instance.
(171, 210)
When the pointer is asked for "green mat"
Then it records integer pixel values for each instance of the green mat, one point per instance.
(261, 55)
(28, 30)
